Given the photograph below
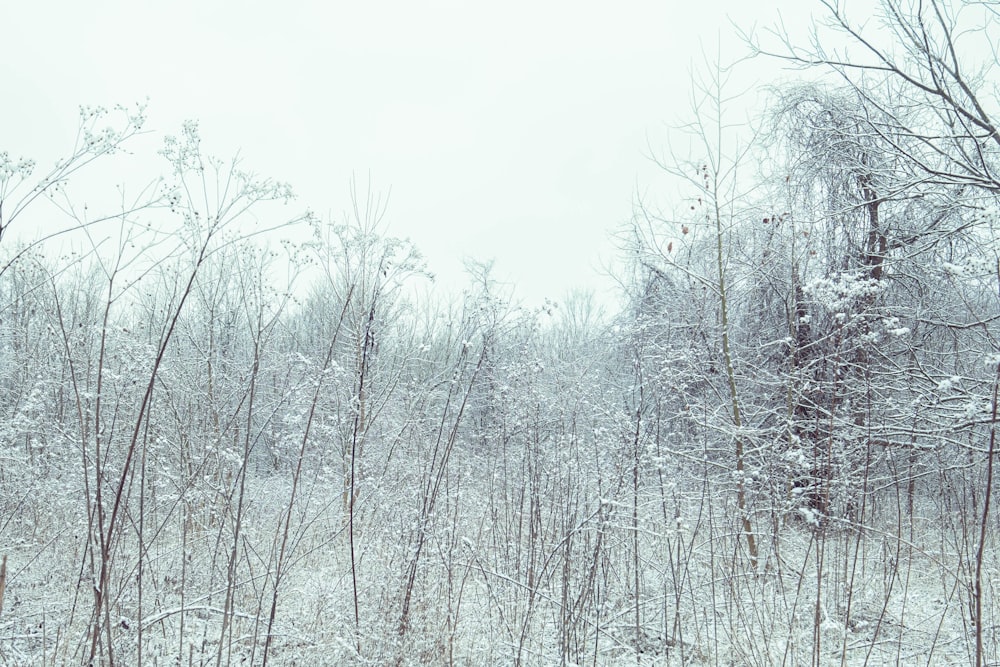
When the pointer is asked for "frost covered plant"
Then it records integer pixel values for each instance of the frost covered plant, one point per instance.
(973, 267)
(894, 328)
(184, 152)
(97, 140)
(213, 196)
(840, 293)
(22, 168)
(100, 133)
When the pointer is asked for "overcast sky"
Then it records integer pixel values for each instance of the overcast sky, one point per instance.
(514, 131)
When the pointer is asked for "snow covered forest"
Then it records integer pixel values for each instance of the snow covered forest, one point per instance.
(234, 432)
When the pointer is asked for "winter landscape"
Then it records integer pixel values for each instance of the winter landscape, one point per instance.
(237, 432)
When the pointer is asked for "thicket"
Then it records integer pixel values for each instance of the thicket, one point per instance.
(218, 448)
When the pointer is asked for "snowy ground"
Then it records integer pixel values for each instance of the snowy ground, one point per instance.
(832, 597)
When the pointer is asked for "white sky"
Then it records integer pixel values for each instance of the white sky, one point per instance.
(515, 131)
